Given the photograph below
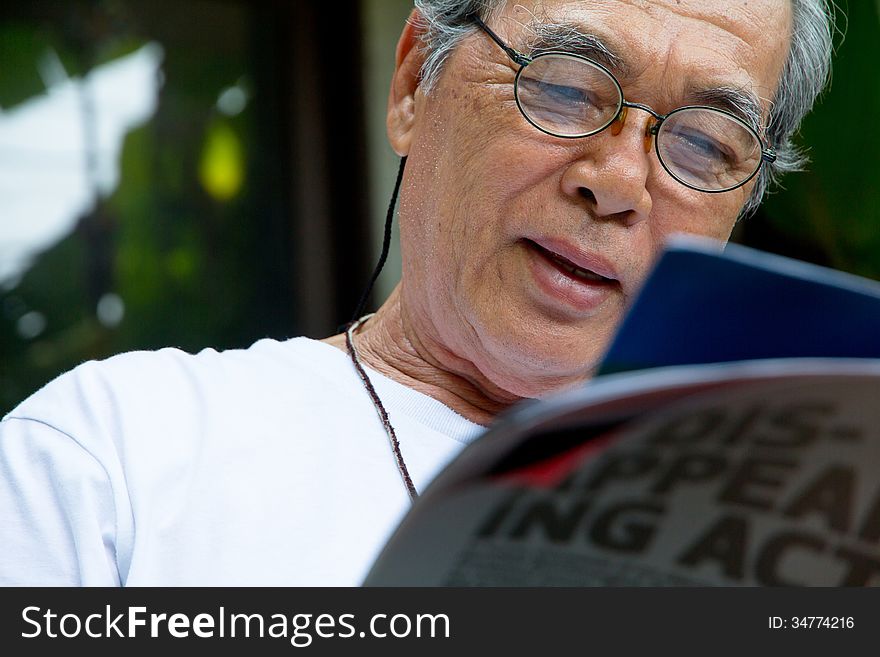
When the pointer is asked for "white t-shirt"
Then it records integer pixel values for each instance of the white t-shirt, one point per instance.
(266, 466)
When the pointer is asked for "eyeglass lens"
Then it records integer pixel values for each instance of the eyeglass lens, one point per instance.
(568, 96)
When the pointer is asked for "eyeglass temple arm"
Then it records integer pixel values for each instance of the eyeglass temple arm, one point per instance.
(518, 57)
(768, 155)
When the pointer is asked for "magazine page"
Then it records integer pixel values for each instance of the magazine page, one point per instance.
(704, 305)
(760, 473)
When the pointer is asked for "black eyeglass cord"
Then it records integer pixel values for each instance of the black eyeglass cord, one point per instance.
(357, 322)
(380, 408)
(386, 245)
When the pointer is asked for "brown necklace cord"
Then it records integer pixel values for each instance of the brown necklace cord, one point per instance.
(380, 409)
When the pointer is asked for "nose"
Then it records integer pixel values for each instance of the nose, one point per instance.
(612, 169)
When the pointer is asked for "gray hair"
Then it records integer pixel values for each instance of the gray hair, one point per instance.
(806, 73)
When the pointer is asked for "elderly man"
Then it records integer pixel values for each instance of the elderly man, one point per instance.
(550, 147)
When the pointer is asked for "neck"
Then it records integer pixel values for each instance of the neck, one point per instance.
(390, 343)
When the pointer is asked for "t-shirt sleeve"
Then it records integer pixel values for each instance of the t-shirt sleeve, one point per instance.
(57, 513)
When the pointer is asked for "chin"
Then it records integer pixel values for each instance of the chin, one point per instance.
(534, 365)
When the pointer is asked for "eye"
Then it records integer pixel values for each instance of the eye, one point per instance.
(704, 145)
(691, 144)
(565, 93)
(556, 93)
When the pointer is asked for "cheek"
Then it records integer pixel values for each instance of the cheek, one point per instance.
(488, 148)
(680, 210)
(468, 167)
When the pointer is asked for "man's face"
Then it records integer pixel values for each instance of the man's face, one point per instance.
(490, 204)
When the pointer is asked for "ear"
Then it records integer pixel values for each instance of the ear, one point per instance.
(401, 117)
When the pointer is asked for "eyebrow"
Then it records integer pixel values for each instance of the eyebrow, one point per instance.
(572, 38)
(739, 102)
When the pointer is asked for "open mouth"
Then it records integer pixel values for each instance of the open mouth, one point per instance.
(568, 267)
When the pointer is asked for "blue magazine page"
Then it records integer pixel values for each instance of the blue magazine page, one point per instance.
(704, 305)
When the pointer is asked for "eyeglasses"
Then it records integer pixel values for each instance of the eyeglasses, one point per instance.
(570, 96)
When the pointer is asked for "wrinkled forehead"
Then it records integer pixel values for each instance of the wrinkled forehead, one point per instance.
(680, 44)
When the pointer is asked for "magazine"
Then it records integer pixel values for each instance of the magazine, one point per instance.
(732, 438)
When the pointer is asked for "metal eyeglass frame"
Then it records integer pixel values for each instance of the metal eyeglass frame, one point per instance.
(767, 153)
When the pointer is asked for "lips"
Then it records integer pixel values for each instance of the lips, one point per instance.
(569, 278)
(577, 271)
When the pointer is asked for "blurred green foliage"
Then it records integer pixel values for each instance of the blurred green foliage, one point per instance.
(180, 256)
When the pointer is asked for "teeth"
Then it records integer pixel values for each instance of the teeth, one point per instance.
(577, 271)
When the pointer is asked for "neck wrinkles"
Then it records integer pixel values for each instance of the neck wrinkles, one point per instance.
(392, 344)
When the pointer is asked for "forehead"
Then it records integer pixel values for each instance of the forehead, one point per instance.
(683, 44)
